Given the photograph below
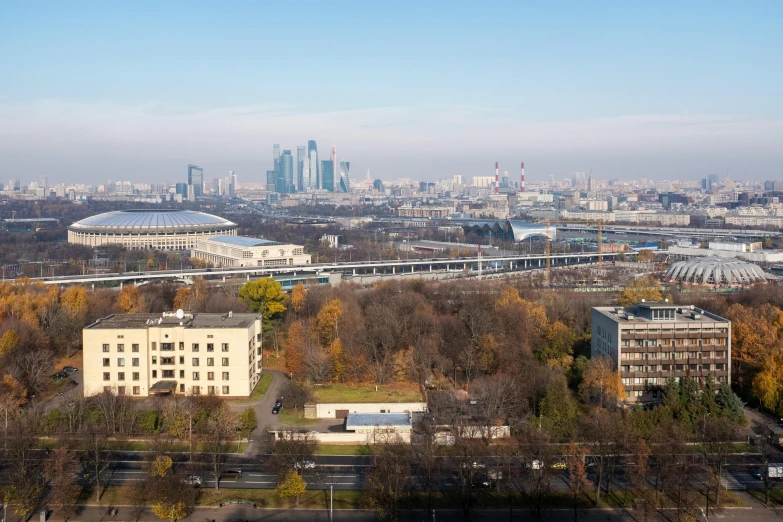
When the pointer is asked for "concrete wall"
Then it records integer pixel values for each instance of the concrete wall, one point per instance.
(329, 410)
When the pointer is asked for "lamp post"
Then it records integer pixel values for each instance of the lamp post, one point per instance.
(172, 513)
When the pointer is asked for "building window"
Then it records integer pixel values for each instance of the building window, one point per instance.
(210, 347)
(106, 363)
(182, 359)
(120, 348)
(136, 390)
(105, 348)
(120, 361)
(154, 359)
(166, 347)
(211, 390)
(154, 374)
(224, 347)
(210, 376)
(135, 348)
(182, 374)
(107, 389)
(154, 346)
(168, 374)
(182, 388)
(135, 376)
(225, 376)
(195, 376)
(135, 361)
(195, 347)
(120, 337)
(225, 361)
(196, 390)
(195, 361)
(210, 336)
(639, 342)
(210, 361)
(121, 376)
(181, 345)
(225, 390)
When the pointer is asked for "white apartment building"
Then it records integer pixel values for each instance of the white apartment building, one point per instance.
(239, 251)
(173, 353)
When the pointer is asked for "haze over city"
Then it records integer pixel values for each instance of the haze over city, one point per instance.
(102, 91)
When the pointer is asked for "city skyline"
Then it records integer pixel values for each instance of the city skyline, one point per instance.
(657, 92)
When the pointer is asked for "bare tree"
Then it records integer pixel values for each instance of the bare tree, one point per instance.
(425, 456)
(293, 447)
(768, 454)
(31, 367)
(95, 454)
(389, 480)
(717, 437)
(59, 471)
(221, 429)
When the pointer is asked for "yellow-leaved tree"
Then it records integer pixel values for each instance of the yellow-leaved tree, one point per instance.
(166, 511)
(298, 296)
(768, 383)
(160, 466)
(601, 382)
(266, 297)
(131, 301)
(292, 486)
(646, 288)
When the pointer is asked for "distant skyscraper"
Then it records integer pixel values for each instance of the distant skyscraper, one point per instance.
(217, 187)
(345, 181)
(271, 180)
(232, 183)
(591, 183)
(327, 175)
(182, 189)
(196, 178)
(335, 170)
(285, 175)
(315, 167)
(300, 161)
(276, 156)
(378, 185)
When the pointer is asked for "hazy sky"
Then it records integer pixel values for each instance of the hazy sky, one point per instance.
(135, 91)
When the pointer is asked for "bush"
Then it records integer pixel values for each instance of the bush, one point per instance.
(149, 421)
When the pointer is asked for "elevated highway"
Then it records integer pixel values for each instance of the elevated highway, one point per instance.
(397, 266)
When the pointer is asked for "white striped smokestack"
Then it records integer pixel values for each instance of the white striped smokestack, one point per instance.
(497, 179)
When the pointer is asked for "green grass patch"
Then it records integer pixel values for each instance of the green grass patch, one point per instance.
(343, 449)
(294, 418)
(385, 393)
(268, 498)
(775, 496)
(258, 392)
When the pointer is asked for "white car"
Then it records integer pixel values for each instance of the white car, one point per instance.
(306, 464)
(193, 480)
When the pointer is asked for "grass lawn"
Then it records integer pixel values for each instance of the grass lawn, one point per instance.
(269, 499)
(775, 496)
(258, 391)
(343, 449)
(294, 418)
(385, 393)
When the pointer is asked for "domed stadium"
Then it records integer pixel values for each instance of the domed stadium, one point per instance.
(718, 271)
(149, 229)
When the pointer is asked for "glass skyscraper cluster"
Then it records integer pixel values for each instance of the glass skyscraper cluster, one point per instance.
(305, 172)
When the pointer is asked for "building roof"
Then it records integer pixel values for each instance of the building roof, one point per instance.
(243, 241)
(165, 220)
(369, 420)
(683, 314)
(716, 271)
(169, 319)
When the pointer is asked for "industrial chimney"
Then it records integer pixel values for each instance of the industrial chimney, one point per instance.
(497, 179)
(522, 187)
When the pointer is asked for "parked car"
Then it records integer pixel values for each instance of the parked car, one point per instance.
(70, 369)
(757, 474)
(279, 402)
(194, 480)
(559, 465)
(59, 375)
(276, 409)
(305, 464)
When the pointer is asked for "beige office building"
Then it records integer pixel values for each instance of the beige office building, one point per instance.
(650, 343)
(173, 353)
(239, 251)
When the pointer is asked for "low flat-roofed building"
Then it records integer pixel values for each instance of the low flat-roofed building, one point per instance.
(380, 423)
(650, 343)
(173, 353)
(240, 251)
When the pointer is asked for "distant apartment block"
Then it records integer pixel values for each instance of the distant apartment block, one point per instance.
(425, 212)
(650, 343)
(173, 353)
(239, 251)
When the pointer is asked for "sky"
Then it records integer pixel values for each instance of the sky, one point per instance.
(91, 91)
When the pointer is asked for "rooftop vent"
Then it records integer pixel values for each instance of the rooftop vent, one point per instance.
(629, 317)
(230, 314)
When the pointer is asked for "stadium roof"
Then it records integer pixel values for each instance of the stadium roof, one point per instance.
(151, 220)
(716, 271)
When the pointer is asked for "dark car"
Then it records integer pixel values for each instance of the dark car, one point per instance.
(757, 475)
(276, 410)
(59, 375)
(279, 402)
(231, 474)
(70, 369)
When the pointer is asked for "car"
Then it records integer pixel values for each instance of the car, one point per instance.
(757, 475)
(193, 480)
(559, 465)
(59, 375)
(473, 401)
(70, 369)
(279, 402)
(231, 474)
(305, 464)
(276, 410)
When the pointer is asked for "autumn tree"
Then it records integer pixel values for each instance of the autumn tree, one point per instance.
(577, 476)
(130, 300)
(59, 472)
(642, 288)
(293, 485)
(266, 297)
(221, 429)
(601, 383)
(298, 296)
(247, 421)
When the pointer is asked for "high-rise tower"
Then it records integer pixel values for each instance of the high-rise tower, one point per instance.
(327, 172)
(196, 178)
(285, 175)
(345, 181)
(315, 166)
(300, 163)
